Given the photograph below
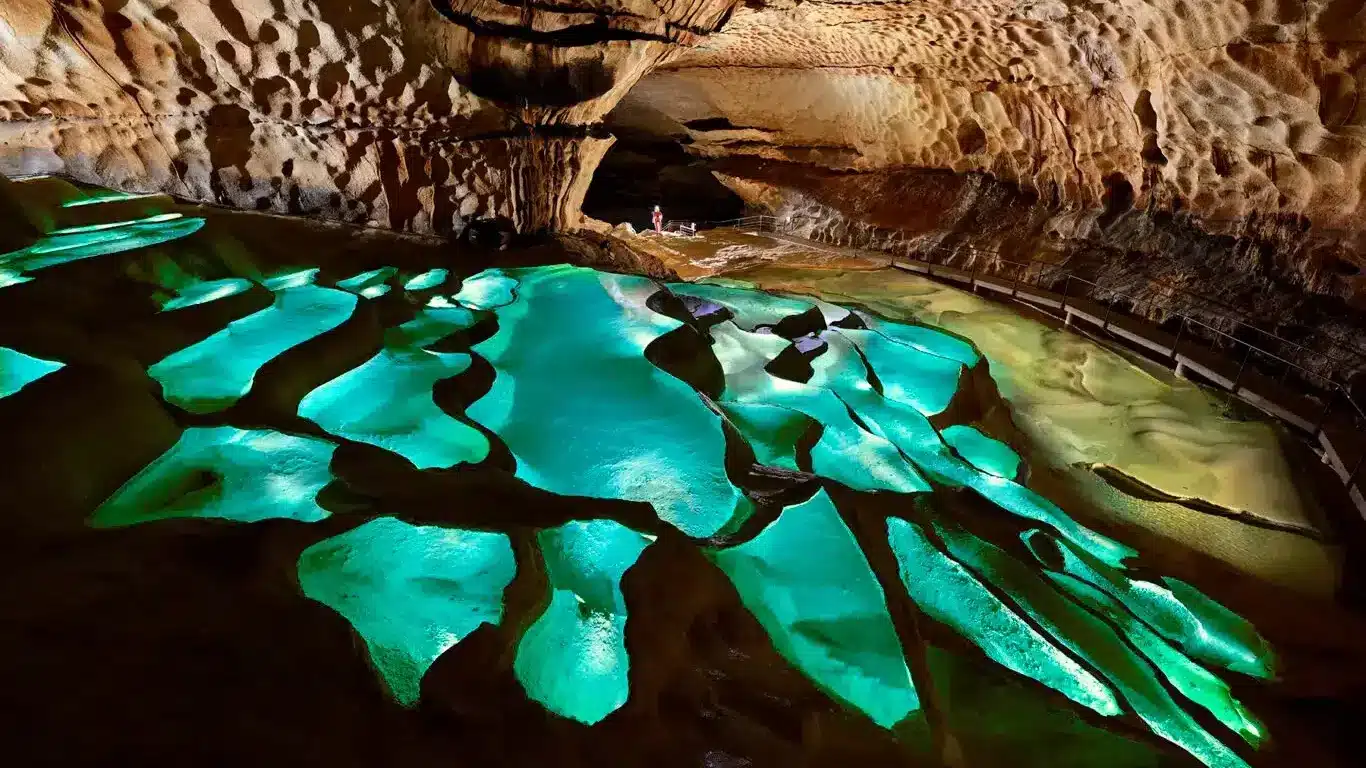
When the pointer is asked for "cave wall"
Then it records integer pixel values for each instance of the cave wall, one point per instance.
(1277, 274)
(407, 114)
(1215, 147)
(426, 114)
(636, 175)
(1239, 112)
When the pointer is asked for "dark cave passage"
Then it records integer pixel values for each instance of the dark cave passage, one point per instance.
(640, 172)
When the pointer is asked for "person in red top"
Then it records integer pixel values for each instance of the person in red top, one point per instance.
(659, 219)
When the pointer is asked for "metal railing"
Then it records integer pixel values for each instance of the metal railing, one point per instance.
(1340, 359)
(1336, 359)
(1262, 377)
(761, 222)
(1321, 350)
(687, 228)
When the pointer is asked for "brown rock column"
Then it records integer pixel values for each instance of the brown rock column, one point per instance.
(548, 177)
(558, 73)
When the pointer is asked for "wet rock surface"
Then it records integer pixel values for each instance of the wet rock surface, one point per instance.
(711, 515)
(379, 112)
(1269, 273)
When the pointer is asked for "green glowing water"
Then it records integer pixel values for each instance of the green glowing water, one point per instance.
(76, 243)
(57, 244)
(435, 322)
(927, 340)
(872, 440)
(923, 381)
(949, 593)
(582, 411)
(94, 196)
(1090, 639)
(387, 402)
(772, 431)
(1193, 681)
(487, 290)
(371, 285)
(223, 472)
(1220, 636)
(412, 592)
(1203, 628)
(10, 277)
(295, 279)
(751, 308)
(586, 414)
(991, 456)
(573, 658)
(216, 372)
(427, 280)
(827, 614)
(845, 452)
(18, 370)
(205, 292)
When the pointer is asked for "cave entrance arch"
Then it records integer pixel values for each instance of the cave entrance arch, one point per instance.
(650, 165)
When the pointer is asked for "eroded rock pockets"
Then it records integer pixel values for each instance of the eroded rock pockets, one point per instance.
(382, 113)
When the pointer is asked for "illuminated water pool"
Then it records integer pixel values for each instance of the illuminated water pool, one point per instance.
(18, 370)
(675, 398)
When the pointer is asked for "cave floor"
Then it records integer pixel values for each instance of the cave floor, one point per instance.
(717, 251)
(278, 491)
(1091, 405)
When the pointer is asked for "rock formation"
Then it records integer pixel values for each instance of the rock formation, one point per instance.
(282, 491)
(1231, 107)
(1216, 143)
(1203, 139)
(393, 113)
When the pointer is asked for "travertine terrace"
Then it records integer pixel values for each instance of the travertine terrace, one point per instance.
(369, 397)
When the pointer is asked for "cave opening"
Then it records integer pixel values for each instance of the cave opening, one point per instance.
(650, 165)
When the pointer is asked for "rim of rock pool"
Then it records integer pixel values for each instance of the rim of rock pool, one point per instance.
(1343, 446)
(1143, 338)
(206, 382)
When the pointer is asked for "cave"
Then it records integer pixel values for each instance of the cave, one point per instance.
(641, 171)
(1000, 403)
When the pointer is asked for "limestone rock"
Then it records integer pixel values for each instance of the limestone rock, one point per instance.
(424, 115)
(1230, 107)
(376, 112)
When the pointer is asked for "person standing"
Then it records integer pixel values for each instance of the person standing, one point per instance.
(659, 219)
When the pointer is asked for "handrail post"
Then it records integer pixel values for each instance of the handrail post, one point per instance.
(1239, 377)
(1328, 403)
(1180, 329)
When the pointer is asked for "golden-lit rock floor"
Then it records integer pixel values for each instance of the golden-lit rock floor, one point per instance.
(1224, 494)
(1086, 405)
(724, 250)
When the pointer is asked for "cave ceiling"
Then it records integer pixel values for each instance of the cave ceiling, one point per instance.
(423, 115)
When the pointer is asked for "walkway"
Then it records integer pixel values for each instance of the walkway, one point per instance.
(1330, 421)
(1327, 416)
